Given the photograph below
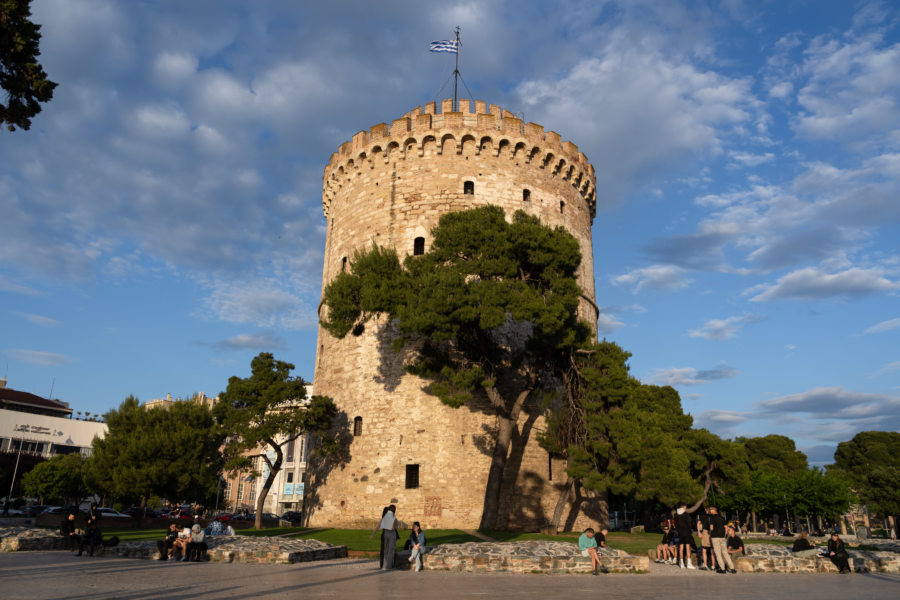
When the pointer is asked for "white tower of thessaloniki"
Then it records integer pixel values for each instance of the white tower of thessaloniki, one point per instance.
(390, 185)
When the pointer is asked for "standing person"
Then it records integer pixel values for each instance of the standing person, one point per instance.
(417, 543)
(685, 536)
(93, 515)
(838, 554)
(588, 546)
(384, 511)
(706, 554)
(67, 529)
(389, 531)
(717, 536)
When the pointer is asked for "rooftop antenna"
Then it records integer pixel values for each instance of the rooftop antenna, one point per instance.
(52, 383)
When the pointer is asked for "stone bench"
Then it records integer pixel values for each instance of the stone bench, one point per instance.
(770, 558)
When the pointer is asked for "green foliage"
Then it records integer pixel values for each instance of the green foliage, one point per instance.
(60, 478)
(261, 412)
(172, 453)
(871, 463)
(483, 282)
(21, 76)
(775, 454)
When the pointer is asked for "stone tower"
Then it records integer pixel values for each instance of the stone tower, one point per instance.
(390, 185)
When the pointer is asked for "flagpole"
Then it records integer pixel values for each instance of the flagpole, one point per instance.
(456, 74)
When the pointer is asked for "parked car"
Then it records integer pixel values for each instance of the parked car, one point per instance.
(33, 511)
(109, 512)
(224, 517)
(294, 516)
(270, 517)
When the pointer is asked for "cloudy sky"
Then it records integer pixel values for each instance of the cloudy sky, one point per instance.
(161, 222)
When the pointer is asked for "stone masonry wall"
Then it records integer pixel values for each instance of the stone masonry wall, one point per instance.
(390, 185)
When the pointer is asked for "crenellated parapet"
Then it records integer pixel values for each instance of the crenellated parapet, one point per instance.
(479, 129)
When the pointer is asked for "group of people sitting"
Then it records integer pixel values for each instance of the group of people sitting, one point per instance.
(90, 536)
(186, 544)
(589, 542)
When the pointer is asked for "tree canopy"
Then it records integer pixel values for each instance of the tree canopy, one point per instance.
(60, 478)
(21, 76)
(262, 412)
(173, 453)
(490, 309)
(871, 462)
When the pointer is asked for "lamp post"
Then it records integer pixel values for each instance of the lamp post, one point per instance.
(15, 470)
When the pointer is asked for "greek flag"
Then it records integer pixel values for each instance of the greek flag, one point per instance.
(445, 46)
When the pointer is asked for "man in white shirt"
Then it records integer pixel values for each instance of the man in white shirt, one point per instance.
(389, 531)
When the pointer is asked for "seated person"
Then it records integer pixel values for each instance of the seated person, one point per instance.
(734, 544)
(165, 545)
(180, 545)
(67, 529)
(196, 549)
(92, 538)
(802, 544)
(417, 545)
(588, 546)
(601, 538)
(838, 554)
(665, 549)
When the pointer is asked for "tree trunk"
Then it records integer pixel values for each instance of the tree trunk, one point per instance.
(564, 494)
(274, 468)
(494, 486)
(706, 486)
(819, 523)
(842, 524)
(753, 512)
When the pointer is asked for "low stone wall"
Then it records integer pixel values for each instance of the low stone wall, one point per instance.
(770, 558)
(528, 557)
(18, 539)
(245, 549)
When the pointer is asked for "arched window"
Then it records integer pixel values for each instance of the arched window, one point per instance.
(419, 246)
(562, 207)
(469, 187)
(357, 426)
(526, 196)
(343, 264)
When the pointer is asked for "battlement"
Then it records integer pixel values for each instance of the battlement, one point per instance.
(475, 128)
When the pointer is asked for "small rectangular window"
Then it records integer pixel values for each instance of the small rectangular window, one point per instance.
(419, 246)
(562, 207)
(469, 187)
(290, 451)
(412, 476)
(526, 196)
(290, 477)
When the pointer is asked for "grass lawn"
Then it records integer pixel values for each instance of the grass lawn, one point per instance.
(358, 539)
(270, 531)
(134, 535)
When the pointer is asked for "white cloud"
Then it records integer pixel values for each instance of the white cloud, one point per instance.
(840, 412)
(174, 67)
(262, 340)
(678, 376)
(38, 319)
(852, 88)
(7, 285)
(722, 329)
(607, 323)
(781, 90)
(813, 283)
(265, 303)
(37, 357)
(751, 160)
(638, 108)
(656, 277)
(883, 326)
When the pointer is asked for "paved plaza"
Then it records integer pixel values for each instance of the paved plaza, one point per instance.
(61, 576)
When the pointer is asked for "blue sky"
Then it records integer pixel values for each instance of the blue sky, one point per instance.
(161, 221)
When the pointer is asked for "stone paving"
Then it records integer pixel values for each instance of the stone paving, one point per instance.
(62, 576)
